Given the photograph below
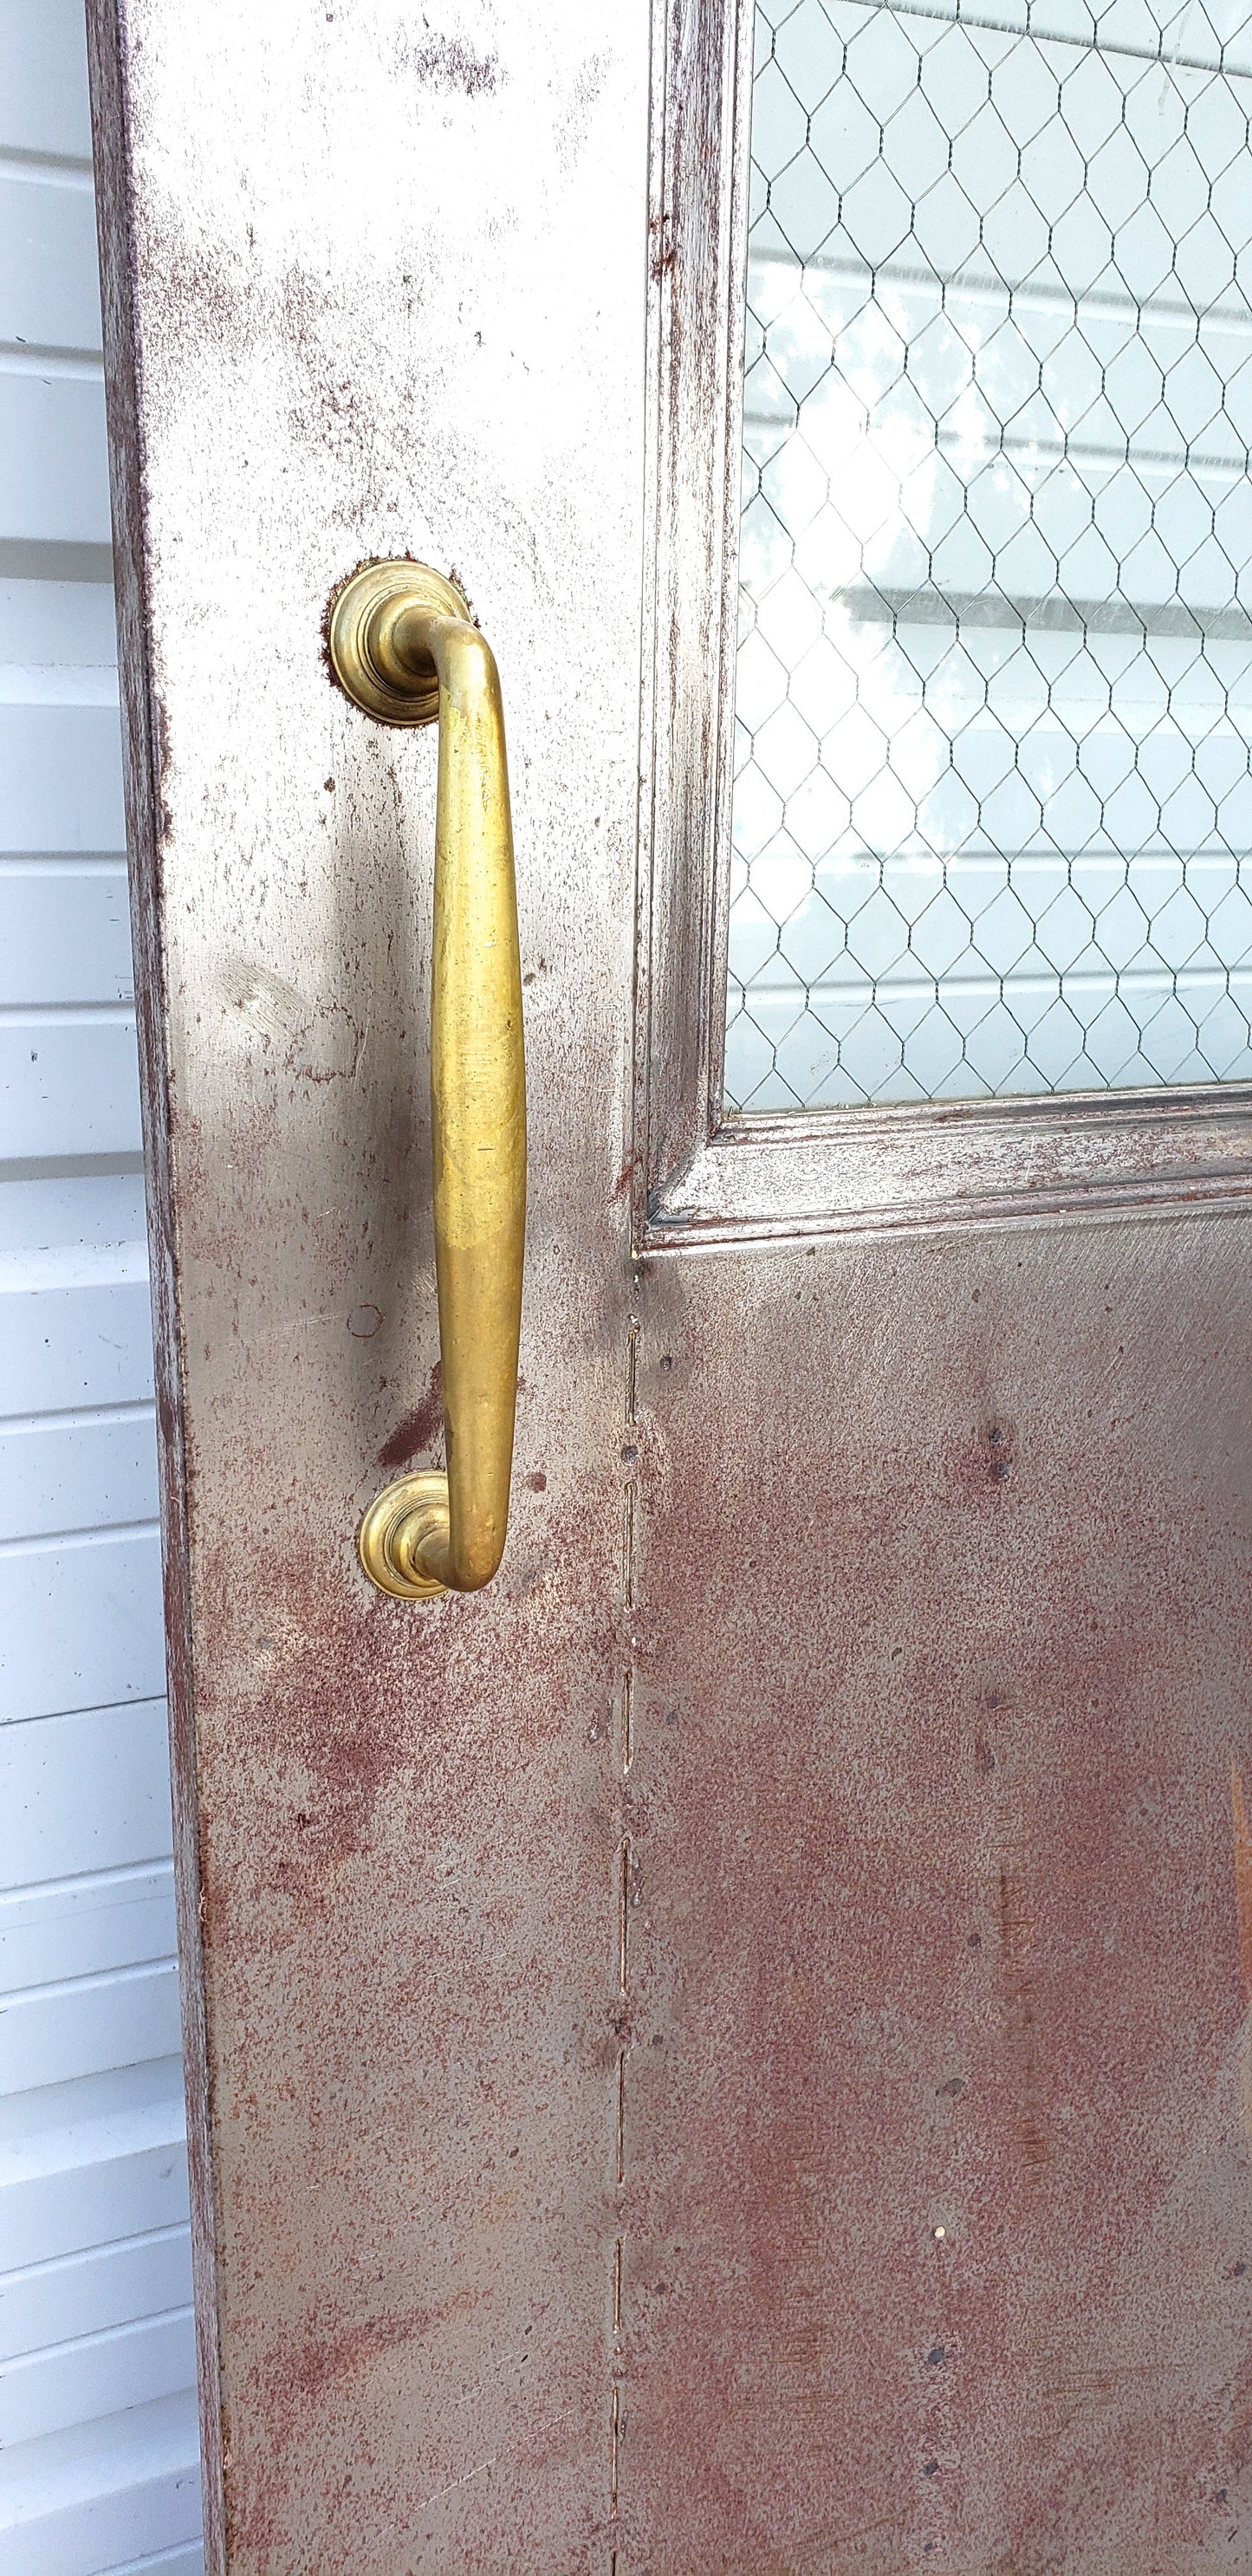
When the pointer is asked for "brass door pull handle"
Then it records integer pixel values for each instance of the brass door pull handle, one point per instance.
(405, 648)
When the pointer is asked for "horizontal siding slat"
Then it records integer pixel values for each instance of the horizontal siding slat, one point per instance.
(60, 2032)
(88, 2163)
(80, 1625)
(55, 484)
(55, 1476)
(65, 935)
(67, 2213)
(70, 622)
(75, 1345)
(69, 1086)
(69, 1229)
(48, 1829)
(85, 1926)
(49, 290)
(43, 2392)
(109, 2285)
(62, 767)
(64, 1230)
(123, 2487)
(43, 78)
(26, 683)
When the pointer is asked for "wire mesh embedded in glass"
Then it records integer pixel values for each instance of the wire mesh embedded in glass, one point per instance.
(993, 799)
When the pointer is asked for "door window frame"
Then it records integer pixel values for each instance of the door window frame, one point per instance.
(701, 1174)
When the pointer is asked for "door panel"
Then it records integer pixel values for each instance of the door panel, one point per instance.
(936, 2137)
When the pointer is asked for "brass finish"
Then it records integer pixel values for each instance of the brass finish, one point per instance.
(399, 1522)
(405, 648)
(398, 687)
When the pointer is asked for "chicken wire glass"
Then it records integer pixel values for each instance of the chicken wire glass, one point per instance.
(993, 795)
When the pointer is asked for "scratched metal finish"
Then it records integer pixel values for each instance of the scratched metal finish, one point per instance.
(383, 292)
(936, 2226)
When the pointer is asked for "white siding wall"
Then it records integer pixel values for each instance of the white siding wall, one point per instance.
(97, 2417)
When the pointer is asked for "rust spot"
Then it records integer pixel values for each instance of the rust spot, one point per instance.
(1243, 1877)
(459, 582)
(308, 2371)
(665, 248)
(418, 1428)
(445, 63)
(999, 1445)
(536, 1482)
(327, 614)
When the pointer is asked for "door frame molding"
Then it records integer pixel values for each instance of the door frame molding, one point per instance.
(700, 1174)
(700, 114)
(142, 773)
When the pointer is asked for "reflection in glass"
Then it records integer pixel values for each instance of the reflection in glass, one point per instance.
(993, 801)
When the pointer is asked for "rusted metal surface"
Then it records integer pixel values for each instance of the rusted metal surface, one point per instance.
(398, 1826)
(937, 2238)
(726, 2052)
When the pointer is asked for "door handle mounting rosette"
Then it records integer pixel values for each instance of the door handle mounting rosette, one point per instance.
(405, 648)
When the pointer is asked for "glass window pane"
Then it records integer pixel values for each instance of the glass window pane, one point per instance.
(993, 799)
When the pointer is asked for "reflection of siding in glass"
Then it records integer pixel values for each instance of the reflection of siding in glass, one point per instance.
(993, 804)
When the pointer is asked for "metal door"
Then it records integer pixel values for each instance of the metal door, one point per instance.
(726, 2047)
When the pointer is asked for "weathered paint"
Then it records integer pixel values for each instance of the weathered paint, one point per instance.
(726, 2051)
